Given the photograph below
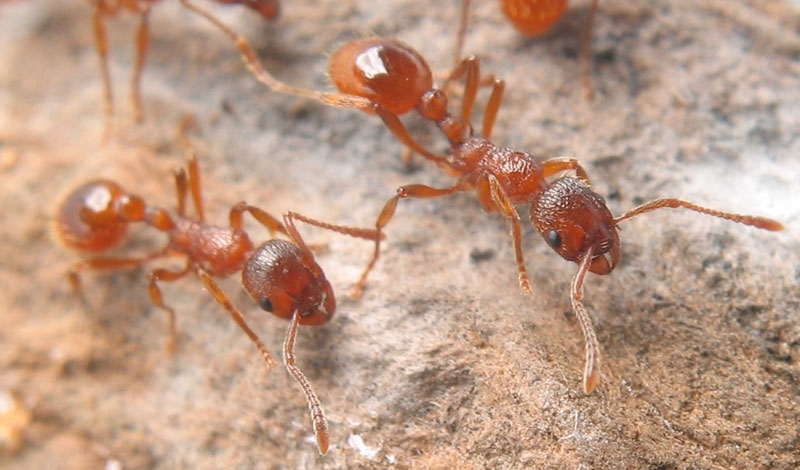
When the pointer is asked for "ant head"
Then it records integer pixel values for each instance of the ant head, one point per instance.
(384, 71)
(283, 280)
(572, 219)
(88, 219)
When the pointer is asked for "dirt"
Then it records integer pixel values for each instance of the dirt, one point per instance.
(443, 362)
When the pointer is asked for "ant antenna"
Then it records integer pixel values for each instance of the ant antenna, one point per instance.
(754, 221)
(314, 406)
(591, 371)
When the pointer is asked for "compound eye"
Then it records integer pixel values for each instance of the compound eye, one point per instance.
(554, 239)
(265, 304)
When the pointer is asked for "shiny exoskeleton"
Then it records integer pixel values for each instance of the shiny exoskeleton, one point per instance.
(281, 275)
(386, 77)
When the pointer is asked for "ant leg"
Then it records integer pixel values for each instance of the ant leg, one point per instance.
(216, 292)
(356, 232)
(271, 223)
(755, 221)
(461, 34)
(469, 67)
(394, 124)
(586, 49)
(101, 43)
(420, 191)
(142, 44)
(111, 264)
(182, 188)
(492, 107)
(251, 61)
(166, 275)
(318, 420)
(553, 166)
(191, 182)
(195, 187)
(472, 66)
(489, 188)
(591, 372)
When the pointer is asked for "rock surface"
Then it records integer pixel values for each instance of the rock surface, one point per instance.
(443, 363)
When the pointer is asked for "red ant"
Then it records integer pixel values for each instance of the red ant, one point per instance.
(534, 18)
(281, 276)
(389, 78)
(103, 9)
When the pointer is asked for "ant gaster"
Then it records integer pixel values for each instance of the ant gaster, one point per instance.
(281, 276)
(102, 9)
(386, 77)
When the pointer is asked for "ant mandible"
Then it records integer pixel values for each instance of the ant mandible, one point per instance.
(103, 9)
(533, 18)
(394, 79)
(281, 276)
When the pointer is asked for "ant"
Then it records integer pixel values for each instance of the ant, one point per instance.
(280, 275)
(103, 9)
(386, 77)
(534, 18)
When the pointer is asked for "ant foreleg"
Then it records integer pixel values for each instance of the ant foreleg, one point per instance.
(318, 420)
(216, 292)
(591, 372)
(492, 196)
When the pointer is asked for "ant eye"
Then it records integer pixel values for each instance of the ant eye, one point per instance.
(265, 304)
(554, 239)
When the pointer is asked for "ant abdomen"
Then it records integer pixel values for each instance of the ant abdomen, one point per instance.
(88, 218)
(282, 279)
(385, 71)
(533, 17)
(573, 219)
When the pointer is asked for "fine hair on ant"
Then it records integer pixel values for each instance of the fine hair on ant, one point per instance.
(103, 9)
(281, 275)
(388, 78)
